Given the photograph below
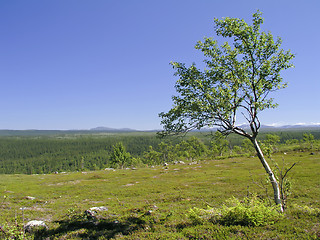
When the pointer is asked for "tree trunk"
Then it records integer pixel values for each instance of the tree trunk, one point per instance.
(273, 180)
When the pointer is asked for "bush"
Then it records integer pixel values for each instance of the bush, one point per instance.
(13, 232)
(248, 212)
(305, 210)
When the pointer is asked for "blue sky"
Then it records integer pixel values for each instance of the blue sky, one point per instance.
(79, 64)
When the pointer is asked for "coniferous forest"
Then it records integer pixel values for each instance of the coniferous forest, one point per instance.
(81, 152)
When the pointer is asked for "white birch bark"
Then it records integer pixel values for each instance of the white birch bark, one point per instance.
(273, 180)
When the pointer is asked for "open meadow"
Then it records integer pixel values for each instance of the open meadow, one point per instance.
(156, 202)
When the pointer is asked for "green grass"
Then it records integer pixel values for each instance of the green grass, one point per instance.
(153, 203)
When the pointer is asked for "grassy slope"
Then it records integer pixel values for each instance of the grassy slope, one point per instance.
(167, 194)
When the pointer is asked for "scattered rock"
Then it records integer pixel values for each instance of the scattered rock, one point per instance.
(29, 198)
(92, 212)
(149, 212)
(99, 209)
(109, 169)
(129, 185)
(33, 209)
(34, 226)
(192, 163)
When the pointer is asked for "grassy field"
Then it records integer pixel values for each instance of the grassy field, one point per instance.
(153, 202)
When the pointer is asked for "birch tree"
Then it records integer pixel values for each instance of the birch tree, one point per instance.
(238, 77)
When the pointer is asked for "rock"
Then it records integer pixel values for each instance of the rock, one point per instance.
(34, 226)
(129, 185)
(99, 209)
(92, 212)
(165, 164)
(149, 212)
(109, 169)
(312, 153)
(29, 198)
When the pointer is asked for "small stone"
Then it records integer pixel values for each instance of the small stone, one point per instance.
(109, 169)
(30, 198)
(149, 212)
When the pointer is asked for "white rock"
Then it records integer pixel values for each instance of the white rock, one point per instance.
(97, 209)
(30, 198)
(34, 225)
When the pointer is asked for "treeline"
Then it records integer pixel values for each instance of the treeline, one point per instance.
(29, 155)
(50, 154)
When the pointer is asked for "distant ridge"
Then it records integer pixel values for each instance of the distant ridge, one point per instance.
(107, 129)
(35, 132)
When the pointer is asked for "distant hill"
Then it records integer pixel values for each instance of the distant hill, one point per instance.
(107, 129)
(35, 132)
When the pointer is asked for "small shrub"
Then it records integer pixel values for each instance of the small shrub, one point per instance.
(248, 212)
(305, 210)
(13, 232)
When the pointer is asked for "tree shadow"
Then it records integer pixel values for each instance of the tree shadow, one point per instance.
(92, 229)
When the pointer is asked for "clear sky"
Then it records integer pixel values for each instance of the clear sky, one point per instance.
(79, 64)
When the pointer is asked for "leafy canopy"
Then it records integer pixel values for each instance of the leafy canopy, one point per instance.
(238, 78)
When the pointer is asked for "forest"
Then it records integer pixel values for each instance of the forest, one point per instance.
(56, 152)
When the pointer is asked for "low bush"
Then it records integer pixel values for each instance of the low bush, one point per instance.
(247, 212)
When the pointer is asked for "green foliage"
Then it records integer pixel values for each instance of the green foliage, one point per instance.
(309, 138)
(237, 79)
(13, 231)
(246, 212)
(119, 157)
(30, 155)
(219, 143)
(305, 210)
(247, 146)
(44, 154)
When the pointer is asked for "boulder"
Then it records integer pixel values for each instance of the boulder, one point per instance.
(34, 226)
(92, 212)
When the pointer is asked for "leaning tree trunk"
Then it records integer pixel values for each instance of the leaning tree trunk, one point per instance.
(273, 180)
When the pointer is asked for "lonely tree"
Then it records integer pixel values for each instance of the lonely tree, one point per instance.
(237, 81)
